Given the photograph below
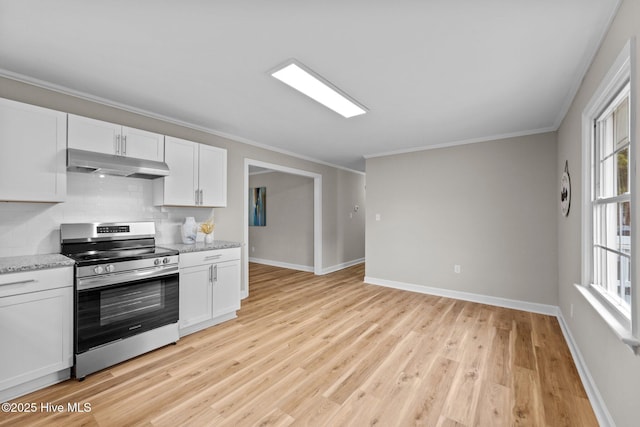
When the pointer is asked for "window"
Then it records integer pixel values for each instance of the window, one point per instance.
(611, 203)
(609, 200)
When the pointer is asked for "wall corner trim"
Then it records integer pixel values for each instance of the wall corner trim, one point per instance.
(298, 267)
(597, 403)
(307, 268)
(344, 265)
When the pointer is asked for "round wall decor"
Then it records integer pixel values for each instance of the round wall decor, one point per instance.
(565, 190)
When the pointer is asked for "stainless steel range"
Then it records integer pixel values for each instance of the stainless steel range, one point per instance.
(126, 292)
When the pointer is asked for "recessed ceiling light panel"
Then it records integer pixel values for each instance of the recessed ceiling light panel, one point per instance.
(311, 84)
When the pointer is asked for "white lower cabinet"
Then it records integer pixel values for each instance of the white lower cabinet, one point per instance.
(36, 330)
(209, 288)
(226, 287)
(196, 301)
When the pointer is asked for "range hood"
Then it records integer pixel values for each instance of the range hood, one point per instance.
(109, 164)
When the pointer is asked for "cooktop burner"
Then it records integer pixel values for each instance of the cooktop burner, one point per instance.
(103, 257)
(101, 243)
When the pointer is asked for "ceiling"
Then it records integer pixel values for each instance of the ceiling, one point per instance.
(431, 73)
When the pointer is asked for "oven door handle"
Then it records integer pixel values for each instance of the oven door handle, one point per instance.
(125, 277)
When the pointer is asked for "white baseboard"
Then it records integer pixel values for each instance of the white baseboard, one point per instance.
(533, 307)
(34, 385)
(342, 266)
(597, 403)
(282, 264)
(306, 268)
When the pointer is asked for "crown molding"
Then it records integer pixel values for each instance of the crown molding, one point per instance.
(462, 142)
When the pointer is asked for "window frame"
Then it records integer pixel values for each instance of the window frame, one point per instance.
(597, 200)
(622, 72)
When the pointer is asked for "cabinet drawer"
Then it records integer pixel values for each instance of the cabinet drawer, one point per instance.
(208, 257)
(34, 281)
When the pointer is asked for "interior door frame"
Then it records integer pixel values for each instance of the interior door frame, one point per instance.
(317, 216)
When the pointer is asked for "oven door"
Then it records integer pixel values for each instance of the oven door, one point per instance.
(119, 310)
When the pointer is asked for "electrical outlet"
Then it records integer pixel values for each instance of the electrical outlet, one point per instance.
(253, 248)
(571, 311)
(378, 217)
(456, 269)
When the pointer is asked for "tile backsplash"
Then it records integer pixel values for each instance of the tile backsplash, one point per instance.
(34, 228)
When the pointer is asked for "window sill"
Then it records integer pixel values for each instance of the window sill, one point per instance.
(622, 331)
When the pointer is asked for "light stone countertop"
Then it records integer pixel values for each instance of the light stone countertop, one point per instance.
(201, 246)
(16, 264)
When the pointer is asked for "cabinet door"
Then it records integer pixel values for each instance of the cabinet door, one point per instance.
(142, 144)
(36, 333)
(94, 135)
(212, 166)
(226, 287)
(180, 187)
(32, 153)
(195, 295)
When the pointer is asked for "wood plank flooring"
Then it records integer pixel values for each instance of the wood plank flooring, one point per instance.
(332, 351)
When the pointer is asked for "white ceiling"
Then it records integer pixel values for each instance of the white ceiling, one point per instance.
(431, 73)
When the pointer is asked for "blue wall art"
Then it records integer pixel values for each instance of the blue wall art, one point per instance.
(258, 206)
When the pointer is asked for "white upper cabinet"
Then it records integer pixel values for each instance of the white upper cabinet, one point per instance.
(93, 135)
(32, 153)
(179, 188)
(198, 175)
(212, 165)
(109, 138)
(142, 144)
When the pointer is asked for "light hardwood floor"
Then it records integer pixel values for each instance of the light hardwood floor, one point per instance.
(330, 351)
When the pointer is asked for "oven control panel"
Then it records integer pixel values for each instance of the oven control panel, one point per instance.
(109, 268)
(110, 229)
(127, 266)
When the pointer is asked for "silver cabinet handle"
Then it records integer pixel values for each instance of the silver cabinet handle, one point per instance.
(210, 257)
(124, 145)
(215, 272)
(211, 274)
(20, 282)
(196, 197)
(201, 198)
(117, 144)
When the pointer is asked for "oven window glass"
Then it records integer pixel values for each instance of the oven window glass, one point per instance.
(116, 312)
(117, 305)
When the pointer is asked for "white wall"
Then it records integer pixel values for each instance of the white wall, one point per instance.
(488, 207)
(615, 370)
(287, 237)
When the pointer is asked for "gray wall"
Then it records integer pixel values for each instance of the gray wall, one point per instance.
(351, 220)
(230, 220)
(488, 207)
(288, 234)
(615, 370)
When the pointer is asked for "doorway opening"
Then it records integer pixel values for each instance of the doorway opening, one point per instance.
(317, 216)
